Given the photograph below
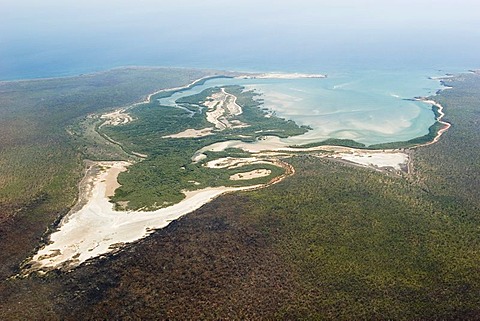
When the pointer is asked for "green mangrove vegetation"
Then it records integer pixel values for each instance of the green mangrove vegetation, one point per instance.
(158, 181)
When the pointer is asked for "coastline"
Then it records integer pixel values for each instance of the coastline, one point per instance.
(76, 239)
(93, 73)
(446, 125)
(280, 75)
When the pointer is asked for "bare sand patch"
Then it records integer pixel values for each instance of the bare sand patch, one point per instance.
(111, 182)
(97, 229)
(117, 117)
(257, 173)
(376, 159)
(232, 162)
(140, 155)
(272, 146)
(192, 133)
(223, 106)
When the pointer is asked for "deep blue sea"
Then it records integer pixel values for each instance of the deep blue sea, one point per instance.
(376, 53)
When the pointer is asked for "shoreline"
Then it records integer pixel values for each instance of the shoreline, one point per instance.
(76, 239)
(103, 71)
(280, 75)
(446, 125)
(174, 90)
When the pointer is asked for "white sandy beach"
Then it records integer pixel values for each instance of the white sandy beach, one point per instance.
(97, 229)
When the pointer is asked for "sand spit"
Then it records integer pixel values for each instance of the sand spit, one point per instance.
(281, 76)
(251, 174)
(442, 77)
(97, 229)
(441, 114)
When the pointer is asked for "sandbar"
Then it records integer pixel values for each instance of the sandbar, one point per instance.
(279, 75)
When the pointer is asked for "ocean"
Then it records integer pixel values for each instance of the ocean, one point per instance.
(377, 55)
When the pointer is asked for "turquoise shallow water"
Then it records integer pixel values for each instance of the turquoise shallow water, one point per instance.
(375, 54)
(368, 106)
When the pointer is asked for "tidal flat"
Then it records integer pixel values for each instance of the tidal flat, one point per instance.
(259, 138)
(369, 107)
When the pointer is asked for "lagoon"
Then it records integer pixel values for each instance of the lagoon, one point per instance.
(368, 106)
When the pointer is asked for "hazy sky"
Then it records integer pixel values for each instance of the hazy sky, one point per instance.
(239, 33)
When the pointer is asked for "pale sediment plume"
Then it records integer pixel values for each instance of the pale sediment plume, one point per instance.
(281, 76)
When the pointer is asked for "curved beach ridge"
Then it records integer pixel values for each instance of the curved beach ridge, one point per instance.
(439, 118)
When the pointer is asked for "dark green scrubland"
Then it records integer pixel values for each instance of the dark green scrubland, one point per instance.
(41, 163)
(332, 242)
